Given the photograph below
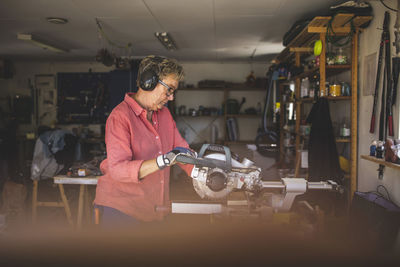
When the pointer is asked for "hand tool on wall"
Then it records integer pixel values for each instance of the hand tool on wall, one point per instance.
(377, 81)
(396, 69)
(387, 86)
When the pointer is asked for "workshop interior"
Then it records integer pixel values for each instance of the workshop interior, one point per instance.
(292, 108)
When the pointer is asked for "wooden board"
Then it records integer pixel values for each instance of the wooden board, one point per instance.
(63, 179)
(381, 161)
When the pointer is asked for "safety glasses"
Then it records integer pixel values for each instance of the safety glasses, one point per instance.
(170, 90)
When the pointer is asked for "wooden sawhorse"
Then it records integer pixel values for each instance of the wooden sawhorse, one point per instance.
(63, 204)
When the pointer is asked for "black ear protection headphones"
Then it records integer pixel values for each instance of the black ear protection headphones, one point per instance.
(150, 74)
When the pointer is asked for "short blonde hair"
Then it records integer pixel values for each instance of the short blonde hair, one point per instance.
(162, 66)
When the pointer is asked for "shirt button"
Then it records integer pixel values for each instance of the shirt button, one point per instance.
(154, 122)
(157, 137)
(159, 152)
(161, 182)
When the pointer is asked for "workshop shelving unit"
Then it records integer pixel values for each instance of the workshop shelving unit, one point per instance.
(303, 44)
(225, 116)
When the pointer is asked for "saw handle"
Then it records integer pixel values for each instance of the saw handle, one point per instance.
(390, 121)
(372, 126)
(218, 148)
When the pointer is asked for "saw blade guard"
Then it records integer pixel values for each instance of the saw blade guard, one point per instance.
(217, 183)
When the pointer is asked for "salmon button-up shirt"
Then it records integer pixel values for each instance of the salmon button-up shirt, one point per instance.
(131, 139)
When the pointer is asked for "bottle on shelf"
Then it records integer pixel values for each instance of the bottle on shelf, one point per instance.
(325, 90)
(305, 85)
(344, 130)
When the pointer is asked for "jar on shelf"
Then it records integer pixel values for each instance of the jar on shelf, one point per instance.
(345, 89)
(335, 89)
(340, 58)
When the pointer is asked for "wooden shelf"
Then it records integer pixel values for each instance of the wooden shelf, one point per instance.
(310, 33)
(244, 88)
(299, 47)
(224, 93)
(243, 115)
(202, 89)
(381, 162)
(330, 98)
(331, 70)
(306, 73)
(239, 142)
(334, 67)
(188, 116)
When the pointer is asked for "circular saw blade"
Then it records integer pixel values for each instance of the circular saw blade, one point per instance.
(205, 192)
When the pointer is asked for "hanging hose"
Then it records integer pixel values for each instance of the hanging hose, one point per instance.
(270, 136)
(334, 39)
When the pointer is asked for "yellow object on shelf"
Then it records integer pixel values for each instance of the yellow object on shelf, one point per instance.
(335, 89)
(317, 48)
(344, 164)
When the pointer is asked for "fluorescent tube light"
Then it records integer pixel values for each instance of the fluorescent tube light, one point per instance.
(41, 43)
(166, 40)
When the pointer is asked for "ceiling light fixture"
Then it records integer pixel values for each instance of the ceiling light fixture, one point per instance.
(56, 20)
(43, 44)
(166, 40)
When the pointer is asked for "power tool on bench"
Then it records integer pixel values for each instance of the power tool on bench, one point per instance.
(215, 175)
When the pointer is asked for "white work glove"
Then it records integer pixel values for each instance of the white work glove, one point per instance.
(169, 158)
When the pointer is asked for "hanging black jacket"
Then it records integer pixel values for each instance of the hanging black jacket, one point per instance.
(323, 159)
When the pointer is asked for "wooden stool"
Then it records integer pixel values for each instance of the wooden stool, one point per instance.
(64, 204)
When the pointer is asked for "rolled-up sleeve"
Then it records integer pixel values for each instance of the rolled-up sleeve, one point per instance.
(179, 141)
(121, 164)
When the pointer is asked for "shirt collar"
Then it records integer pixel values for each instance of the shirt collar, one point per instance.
(133, 104)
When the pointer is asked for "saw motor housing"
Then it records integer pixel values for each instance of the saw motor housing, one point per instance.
(216, 183)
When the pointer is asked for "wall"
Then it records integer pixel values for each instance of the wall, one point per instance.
(25, 73)
(195, 71)
(367, 171)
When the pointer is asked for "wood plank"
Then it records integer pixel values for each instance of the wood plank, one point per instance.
(80, 206)
(354, 112)
(337, 30)
(34, 201)
(63, 179)
(281, 124)
(50, 204)
(301, 49)
(66, 205)
(381, 162)
(340, 20)
(298, 110)
(360, 20)
(322, 63)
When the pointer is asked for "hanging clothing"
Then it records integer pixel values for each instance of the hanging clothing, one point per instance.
(323, 158)
(53, 151)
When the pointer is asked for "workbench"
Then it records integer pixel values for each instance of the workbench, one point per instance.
(83, 202)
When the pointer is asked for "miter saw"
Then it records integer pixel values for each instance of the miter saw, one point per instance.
(216, 175)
